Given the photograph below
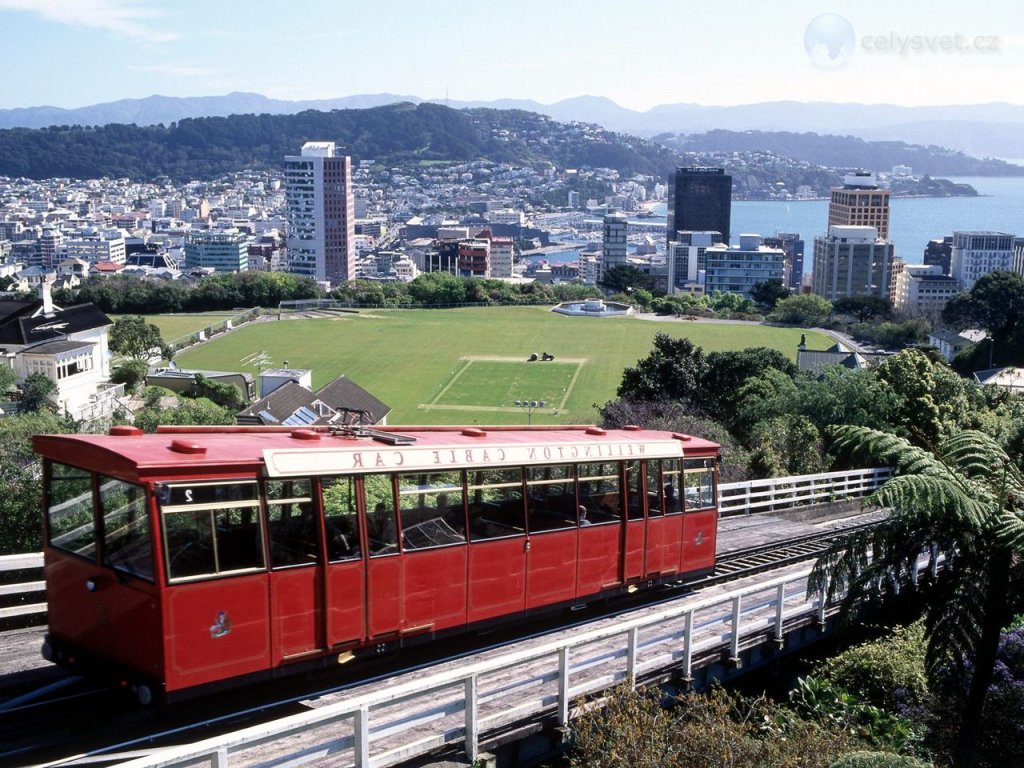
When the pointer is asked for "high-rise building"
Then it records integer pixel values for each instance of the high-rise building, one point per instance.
(614, 244)
(939, 253)
(321, 213)
(687, 259)
(474, 258)
(851, 261)
(700, 200)
(1018, 255)
(976, 254)
(222, 251)
(860, 202)
(793, 246)
(737, 269)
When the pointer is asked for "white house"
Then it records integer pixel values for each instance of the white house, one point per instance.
(67, 345)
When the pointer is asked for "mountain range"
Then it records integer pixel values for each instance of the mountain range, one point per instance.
(982, 130)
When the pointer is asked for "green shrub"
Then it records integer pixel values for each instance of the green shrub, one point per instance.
(888, 673)
(878, 760)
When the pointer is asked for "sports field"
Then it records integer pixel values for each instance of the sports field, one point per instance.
(173, 326)
(470, 365)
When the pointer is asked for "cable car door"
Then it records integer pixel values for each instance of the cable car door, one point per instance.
(633, 561)
(296, 575)
(601, 539)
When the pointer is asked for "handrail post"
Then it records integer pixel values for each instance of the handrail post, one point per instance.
(361, 733)
(563, 685)
(734, 643)
(823, 601)
(634, 637)
(780, 614)
(219, 758)
(688, 646)
(472, 734)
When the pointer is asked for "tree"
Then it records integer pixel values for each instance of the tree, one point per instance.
(961, 503)
(933, 400)
(133, 337)
(727, 371)
(768, 293)
(131, 373)
(36, 391)
(864, 308)
(996, 304)
(674, 370)
(624, 278)
(805, 310)
(20, 528)
(189, 411)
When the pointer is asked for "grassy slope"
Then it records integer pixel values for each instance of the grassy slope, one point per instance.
(405, 357)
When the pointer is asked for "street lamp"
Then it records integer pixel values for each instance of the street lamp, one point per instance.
(530, 406)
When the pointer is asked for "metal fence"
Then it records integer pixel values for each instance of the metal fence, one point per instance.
(212, 330)
(776, 493)
(381, 725)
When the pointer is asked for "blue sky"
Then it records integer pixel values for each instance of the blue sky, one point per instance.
(639, 53)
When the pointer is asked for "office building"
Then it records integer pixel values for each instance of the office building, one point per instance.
(94, 245)
(851, 261)
(700, 200)
(976, 254)
(922, 289)
(474, 258)
(793, 246)
(613, 243)
(860, 202)
(321, 216)
(939, 252)
(737, 269)
(1018, 255)
(687, 259)
(222, 251)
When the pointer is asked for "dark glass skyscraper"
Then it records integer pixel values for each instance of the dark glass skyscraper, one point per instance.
(699, 200)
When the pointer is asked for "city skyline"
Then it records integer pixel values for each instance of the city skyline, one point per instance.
(72, 53)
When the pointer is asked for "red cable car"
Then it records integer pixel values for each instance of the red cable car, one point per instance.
(181, 561)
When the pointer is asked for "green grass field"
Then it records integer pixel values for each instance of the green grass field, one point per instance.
(468, 365)
(173, 326)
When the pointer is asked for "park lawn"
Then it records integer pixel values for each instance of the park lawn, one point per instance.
(408, 357)
(175, 326)
(501, 382)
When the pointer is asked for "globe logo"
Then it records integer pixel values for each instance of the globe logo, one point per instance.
(829, 40)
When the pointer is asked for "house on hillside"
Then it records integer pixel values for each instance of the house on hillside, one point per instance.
(68, 345)
(289, 400)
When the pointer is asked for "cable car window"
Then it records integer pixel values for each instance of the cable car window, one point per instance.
(433, 510)
(550, 498)
(634, 508)
(381, 530)
(699, 483)
(341, 518)
(495, 503)
(655, 492)
(69, 510)
(671, 485)
(600, 493)
(291, 519)
(127, 545)
(188, 538)
(210, 528)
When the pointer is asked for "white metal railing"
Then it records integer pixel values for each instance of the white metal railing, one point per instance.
(380, 725)
(774, 493)
(733, 499)
(32, 560)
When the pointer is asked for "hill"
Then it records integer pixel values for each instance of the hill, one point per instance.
(984, 130)
(197, 148)
(842, 152)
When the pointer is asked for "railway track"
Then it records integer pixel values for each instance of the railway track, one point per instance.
(72, 725)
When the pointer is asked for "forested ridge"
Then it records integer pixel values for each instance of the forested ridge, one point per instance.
(206, 147)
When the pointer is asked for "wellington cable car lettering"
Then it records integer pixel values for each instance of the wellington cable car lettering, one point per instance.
(303, 461)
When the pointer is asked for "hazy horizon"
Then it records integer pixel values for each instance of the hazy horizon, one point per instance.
(75, 53)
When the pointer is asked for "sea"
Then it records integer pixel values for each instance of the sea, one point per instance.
(913, 221)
